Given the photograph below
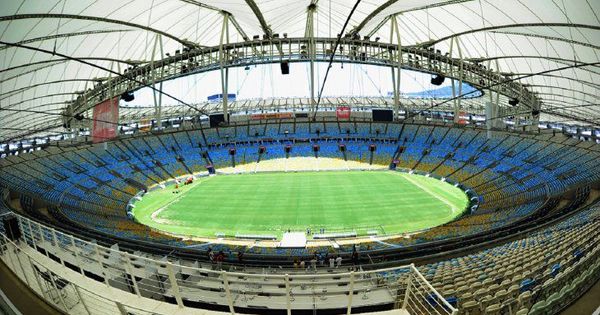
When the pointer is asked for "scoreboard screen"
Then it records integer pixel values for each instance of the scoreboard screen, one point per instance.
(383, 115)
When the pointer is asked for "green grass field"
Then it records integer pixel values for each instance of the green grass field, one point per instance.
(271, 203)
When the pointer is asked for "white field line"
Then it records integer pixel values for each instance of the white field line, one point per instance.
(154, 215)
(425, 189)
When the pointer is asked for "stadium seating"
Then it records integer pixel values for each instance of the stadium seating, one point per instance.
(513, 175)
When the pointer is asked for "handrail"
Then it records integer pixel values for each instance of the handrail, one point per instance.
(89, 258)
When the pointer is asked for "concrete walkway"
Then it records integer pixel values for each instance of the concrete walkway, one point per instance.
(587, 304)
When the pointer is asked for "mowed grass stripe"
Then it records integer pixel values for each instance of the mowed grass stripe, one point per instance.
(271, 203)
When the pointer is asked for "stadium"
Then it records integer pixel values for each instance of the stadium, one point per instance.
(299, 157)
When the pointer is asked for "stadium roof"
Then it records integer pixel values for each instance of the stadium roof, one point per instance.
(524, 36)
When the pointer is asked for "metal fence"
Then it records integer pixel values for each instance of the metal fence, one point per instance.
(81, 277)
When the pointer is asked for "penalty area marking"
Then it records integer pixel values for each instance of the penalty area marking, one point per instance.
(154, 215)
(453, 208)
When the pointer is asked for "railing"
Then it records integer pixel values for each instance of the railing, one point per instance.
(81, 277)
(67, 296)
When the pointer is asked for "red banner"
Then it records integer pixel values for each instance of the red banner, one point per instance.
(343, 112)
(271, 116)
(461, 118)
(105, 120)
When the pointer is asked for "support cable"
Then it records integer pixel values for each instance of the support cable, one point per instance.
(142, 84)
(337, 43)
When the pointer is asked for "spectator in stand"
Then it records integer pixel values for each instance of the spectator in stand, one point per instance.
(355, 259)
(220, 257)
(313, 263)
(211, 255)
(321, 257)
(331, 262)
(338, 261)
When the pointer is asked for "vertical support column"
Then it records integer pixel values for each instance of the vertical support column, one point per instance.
(16, 253)
(516, 117)
(57, 290)
(121, 308)
(111, 95)
(7, 257)
(41, 233)
(227, 292)
(350, 293)
(490, 110)
(288, 294)
(174, 285)
(535, 120)
(129, 270)
(457, 101)
(492, 117)
(37, 279)
(57, 245)
(222, 59)
(311, 54)
(47, 243)
(491, 114)
(408, 289)
(87, 310)
(157, 98)
(453, 82)
(76, 253)
(22, 229)
(396, 78)
(461, 75)
(31, 235)
(99, 259)
(499, 122)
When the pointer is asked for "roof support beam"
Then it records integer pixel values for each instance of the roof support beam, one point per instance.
(52, 63)
(566, 40)
(591, 84)
(61, 60)
(17, 91)
(499, 27)
(556, 59)
(572, 117)
(237, 26)
(366, 20)
(49, 37)
(97, 19)
(563, 61)
(387, 4)
(13, 112)
(202, 5)
(28, 132)
(40, 97)
(561, 88)
(564, 98)
(261, 19)
(231, 17)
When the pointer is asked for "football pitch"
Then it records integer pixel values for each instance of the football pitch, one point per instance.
(387, 202)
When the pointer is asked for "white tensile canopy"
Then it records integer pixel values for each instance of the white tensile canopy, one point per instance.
(524, 36)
